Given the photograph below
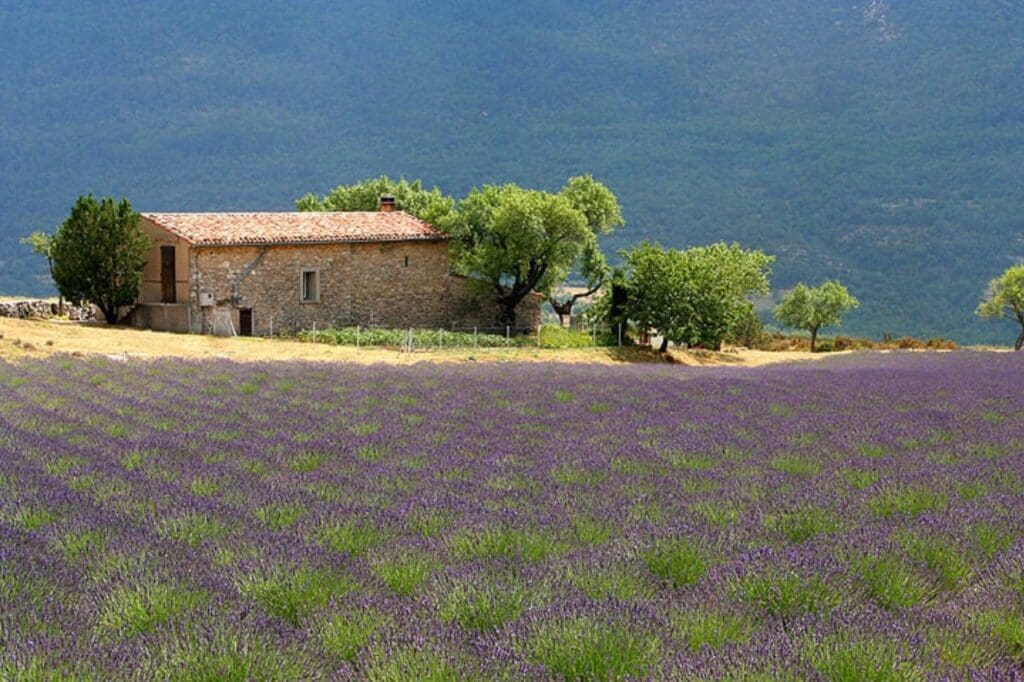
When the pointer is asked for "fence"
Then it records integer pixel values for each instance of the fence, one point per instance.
(462, 338)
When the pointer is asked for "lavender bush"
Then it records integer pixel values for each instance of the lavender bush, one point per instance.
(858, 519)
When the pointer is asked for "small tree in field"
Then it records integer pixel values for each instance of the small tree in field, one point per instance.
(811, 308)
(601, 210)
(1005, 298)
(693, 296)
(98, 255)
(41, 244)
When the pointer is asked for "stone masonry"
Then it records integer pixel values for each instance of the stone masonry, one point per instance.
(390, 284)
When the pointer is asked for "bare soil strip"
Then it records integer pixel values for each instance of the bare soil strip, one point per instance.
(36, 338)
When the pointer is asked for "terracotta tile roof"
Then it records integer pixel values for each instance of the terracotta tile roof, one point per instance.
(226, 229)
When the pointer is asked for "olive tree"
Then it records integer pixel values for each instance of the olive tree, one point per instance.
(430, 205)
(693, 297)
(1005, 299)
(41, 244)
(811, 308)
(98, 254)
(512, 241)
(601, 209)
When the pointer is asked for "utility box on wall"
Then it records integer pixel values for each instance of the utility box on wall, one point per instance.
(205, 300)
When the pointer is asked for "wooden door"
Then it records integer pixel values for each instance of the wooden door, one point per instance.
(167, 293)
(245, 321)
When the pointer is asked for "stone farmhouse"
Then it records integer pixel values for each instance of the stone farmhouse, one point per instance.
(262, 273)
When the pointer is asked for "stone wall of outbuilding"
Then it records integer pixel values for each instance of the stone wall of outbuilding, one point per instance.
(389, 284)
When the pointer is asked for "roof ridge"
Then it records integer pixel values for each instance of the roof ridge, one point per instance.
(224, 228)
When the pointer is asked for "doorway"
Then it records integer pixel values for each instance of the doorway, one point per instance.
(167, 293)
(245, 321)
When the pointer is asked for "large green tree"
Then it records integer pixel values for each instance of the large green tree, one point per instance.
(513, 241)
(430, 205)
(693, 296)
(811, 308)
(601, 209)
(98, 254)
(1005, 298)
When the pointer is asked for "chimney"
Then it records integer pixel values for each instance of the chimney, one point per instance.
(387, 203)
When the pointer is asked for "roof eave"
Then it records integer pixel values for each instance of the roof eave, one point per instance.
(431, 238)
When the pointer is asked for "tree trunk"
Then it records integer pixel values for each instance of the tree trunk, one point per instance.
(507, 312)
(562, 309)
(1020, 340)
(110, 313)
(664, 345)
(814, 339)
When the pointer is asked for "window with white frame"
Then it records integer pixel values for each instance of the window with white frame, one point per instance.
(310, 286)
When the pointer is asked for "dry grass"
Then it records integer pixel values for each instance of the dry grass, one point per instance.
(36, 338)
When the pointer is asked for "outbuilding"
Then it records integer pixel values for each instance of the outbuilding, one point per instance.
(262, 273)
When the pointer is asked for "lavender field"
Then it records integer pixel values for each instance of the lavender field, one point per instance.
(861, 518)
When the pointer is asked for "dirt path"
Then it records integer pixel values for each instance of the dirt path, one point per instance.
(36, 338)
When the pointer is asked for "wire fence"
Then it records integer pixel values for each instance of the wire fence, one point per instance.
(461, 338)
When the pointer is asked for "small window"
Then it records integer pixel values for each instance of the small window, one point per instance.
(406, 261)
(310, 286)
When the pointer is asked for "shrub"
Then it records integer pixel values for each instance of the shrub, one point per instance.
(787, 594)
(292, 595)
(483, 606)
(134, 610)
(677, 561)
(344, 635)
(584, 649)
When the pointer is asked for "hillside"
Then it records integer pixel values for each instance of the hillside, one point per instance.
(879, 142)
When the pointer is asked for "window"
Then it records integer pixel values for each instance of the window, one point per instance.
(310, 286)
(406, 261)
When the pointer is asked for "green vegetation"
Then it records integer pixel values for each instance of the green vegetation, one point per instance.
(429, 205)
(811, 308)
(790, 126)
(693, 296)
(581, 649)
(98, 254)
(1005, 299)
(551, 336)
(513, 241)
(293, 594)
(677, 562)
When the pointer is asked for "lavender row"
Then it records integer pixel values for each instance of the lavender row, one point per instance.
(208, 520)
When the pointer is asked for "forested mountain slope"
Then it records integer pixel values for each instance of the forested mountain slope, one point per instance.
(878, 142)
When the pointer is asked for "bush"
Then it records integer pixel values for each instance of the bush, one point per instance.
(748, 330)
(551, 336)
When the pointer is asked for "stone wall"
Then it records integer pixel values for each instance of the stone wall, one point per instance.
(389, 284)
(466, 310)
(24, 310)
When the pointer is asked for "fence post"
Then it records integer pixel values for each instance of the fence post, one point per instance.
(440, 339)
(271, 326)
(620, 335)
(314, 331)
(593, 335)
(539, 327)
(410, 339)
(508, 334)
(474, 337)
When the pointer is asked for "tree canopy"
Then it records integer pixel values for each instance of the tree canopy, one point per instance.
(98, 255)
(601, 210)
(695, 296)
(811, 308)
(41, 244)
(1005, 299)
(514, 241)
(430, 205)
